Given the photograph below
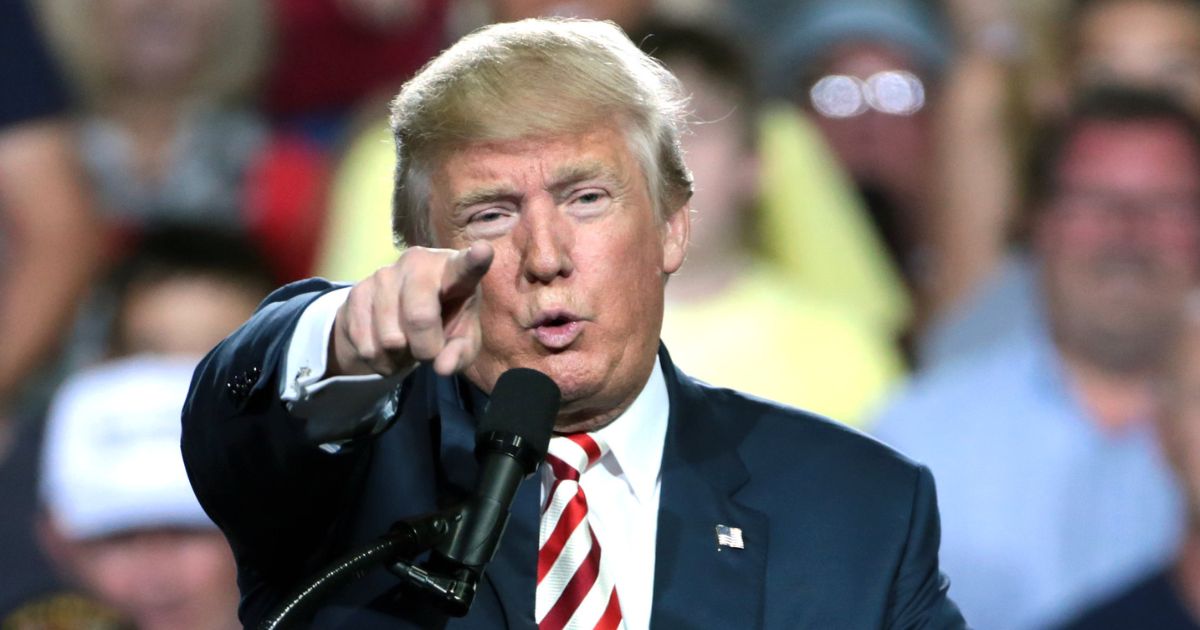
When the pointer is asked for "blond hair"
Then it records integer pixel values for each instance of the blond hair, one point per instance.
(531, 78)
(234, 61)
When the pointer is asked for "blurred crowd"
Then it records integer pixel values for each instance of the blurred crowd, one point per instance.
(970, 228)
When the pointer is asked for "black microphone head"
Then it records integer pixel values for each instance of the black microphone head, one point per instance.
(524, 402)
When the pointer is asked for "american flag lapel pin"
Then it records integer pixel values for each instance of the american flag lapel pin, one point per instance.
(730, 537)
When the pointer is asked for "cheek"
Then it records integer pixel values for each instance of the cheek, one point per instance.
(846, 138)
(1180, 241)
(206, 565)
(1063, 239)
(108, 573)
(623, 255)
(1080, 237)
(498, 297)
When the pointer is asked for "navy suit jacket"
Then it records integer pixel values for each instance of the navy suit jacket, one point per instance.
(839, 530)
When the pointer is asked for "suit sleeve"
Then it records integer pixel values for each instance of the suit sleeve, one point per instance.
(274, 494)
(920, 592)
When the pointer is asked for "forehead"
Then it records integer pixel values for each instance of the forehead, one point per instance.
(1140, 24)
(863, 58)
(1131, 153)
(528, 164)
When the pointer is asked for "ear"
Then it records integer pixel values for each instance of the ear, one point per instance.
(676, 232)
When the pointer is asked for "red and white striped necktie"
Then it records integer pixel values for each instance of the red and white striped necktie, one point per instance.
(573, 592)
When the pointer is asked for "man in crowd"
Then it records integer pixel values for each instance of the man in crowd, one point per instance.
(1052, 485)
(183, 290)
(45, 214)
(544, 199)
(120, 518)
(1168, 598)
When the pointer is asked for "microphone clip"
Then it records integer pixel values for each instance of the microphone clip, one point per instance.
(450, 588)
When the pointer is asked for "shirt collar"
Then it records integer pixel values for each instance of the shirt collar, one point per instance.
(635, 439)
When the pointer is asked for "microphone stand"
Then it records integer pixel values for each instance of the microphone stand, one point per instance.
(510, 443)
(450, 588)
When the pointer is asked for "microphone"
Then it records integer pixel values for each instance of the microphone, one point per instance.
(511, 441)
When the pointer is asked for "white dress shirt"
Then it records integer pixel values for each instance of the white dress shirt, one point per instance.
(622, 488)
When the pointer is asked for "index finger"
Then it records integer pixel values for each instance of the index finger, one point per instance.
(464, 271)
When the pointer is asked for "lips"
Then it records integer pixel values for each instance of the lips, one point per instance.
(557, 329)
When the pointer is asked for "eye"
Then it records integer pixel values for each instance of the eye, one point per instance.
(487, 216)
(490, 222)
(589, 202)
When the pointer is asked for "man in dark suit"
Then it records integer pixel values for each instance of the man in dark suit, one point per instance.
(544, 199)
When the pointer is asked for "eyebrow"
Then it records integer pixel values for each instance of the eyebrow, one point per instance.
(571, 174)
(486, 194)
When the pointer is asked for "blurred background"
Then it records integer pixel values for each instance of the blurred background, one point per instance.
(968, 227)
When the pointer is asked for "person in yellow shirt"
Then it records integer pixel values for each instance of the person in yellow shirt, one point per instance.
(789, 344)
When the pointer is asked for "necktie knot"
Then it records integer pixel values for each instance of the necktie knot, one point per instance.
(570, 455)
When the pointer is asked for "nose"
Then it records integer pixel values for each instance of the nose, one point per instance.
(545, 236)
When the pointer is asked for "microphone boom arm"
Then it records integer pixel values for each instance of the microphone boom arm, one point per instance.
(397, 550)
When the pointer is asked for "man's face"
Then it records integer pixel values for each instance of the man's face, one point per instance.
(1119, 240)
(163, 579)
(1152, 43)
(185, 314)
(576, 286)
(152, 42)
(885, 150)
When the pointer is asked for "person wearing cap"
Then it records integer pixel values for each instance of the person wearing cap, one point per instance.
(543, 197)
(120, 517)
(865, 72)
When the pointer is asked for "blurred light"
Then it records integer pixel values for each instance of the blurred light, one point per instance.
(894, 92)
(839, 96)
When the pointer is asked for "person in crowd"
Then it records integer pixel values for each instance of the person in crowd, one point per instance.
(985, 284)
(45, 209)
(45, 213)
(728, 277)
(1052, 482)
(1144, 43)
(183, 290)
(544, 200)
(168, 135)
(120, 517)
(866, 73)
(333, 57)
(1168, 598)
(179, 294)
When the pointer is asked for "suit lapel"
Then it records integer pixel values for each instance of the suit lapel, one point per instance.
(512, 575)
(698, 583)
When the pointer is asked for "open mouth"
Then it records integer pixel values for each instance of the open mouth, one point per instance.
(557, 330)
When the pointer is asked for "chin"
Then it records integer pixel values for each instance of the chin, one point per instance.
(576, 377)
(576, 374)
